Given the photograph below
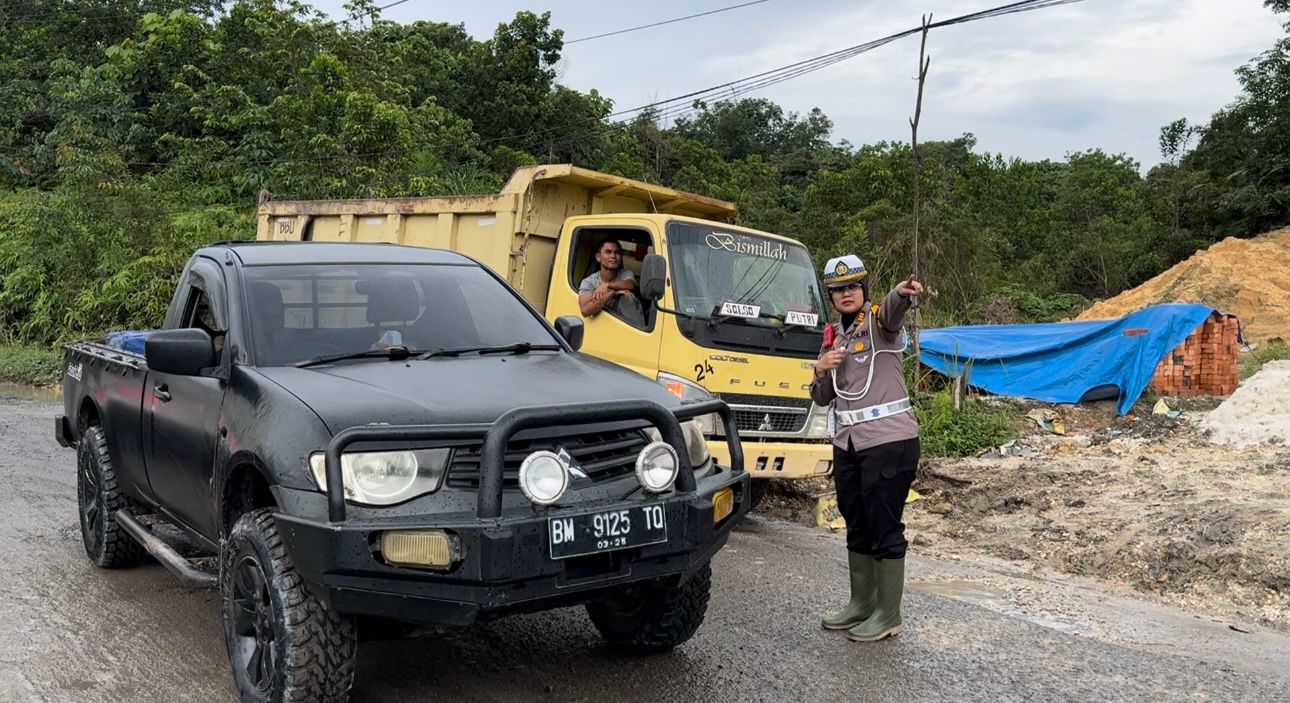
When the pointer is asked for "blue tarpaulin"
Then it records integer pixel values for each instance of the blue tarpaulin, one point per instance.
(128, 340)
(1061, 362)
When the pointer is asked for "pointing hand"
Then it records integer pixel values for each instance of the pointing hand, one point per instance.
(910, 287)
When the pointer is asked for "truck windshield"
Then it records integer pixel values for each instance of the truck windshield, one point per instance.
(713, 267)
(301, 312)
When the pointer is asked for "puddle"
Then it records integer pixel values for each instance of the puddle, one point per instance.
(999, 601)
(19, 391)
(962, 590)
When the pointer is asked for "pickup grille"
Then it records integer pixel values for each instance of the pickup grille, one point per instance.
(761, 413)
(601, 455)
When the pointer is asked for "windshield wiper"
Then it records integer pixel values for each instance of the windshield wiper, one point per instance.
(518, 348)
(397, 352)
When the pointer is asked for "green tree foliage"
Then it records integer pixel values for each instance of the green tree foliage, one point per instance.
(1236, 181)
(132, 131)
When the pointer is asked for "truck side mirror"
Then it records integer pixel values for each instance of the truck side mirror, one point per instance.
(182, 352)
(653, 276)
(570, 328)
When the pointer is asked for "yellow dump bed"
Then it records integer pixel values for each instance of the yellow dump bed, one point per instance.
(513, 232)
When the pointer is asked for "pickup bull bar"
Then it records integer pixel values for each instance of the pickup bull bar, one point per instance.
(498, 434)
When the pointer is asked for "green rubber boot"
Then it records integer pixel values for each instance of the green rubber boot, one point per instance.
(885, 620)
(862, 594)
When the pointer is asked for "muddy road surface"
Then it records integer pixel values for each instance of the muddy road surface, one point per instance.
(974, 630)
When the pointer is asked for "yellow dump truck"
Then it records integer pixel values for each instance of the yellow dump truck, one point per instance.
(737, 313)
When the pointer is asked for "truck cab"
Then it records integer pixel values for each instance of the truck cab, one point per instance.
(759, 361)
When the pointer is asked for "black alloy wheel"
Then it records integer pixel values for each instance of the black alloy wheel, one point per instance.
(285, 645)
(255, 650)
(98, 497)
(88, 491)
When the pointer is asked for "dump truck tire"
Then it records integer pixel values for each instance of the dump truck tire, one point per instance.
(649, 619)
(284, 644)
(98, 498)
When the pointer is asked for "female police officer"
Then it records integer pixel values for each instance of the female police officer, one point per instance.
(875, 443)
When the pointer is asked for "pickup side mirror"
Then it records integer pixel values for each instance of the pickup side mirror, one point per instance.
(653, 276)
(182, 352)
(570, 327)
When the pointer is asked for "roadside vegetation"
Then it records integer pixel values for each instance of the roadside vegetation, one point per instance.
(1250, 363)
(35, 366)
(977, 426)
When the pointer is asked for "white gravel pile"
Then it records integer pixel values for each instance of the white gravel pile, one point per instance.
(1258, 412)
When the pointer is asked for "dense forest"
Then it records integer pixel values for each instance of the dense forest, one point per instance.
(133, 130)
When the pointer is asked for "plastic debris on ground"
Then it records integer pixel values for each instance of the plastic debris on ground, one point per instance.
(826, 511)
(1047, 420)
(1014, 448)
(828, 515)
(1162, 408)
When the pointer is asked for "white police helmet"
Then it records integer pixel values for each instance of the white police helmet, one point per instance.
(842, 271)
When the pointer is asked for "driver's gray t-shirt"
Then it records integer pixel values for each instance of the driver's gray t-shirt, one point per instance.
(627, 306)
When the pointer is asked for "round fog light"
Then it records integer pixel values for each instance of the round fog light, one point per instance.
(657, 466)
(543, 477)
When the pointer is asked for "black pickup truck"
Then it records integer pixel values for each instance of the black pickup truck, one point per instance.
(367, 433)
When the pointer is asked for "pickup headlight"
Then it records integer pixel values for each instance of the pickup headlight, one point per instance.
(691, 392)
(385, 478)
(696, 444)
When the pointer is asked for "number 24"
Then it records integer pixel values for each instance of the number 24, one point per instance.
(701, 371)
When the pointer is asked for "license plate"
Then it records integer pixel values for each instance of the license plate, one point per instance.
(805, 319)
(751, 312)
(607, 530)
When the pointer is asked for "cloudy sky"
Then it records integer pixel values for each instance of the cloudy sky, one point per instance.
(1101, 73)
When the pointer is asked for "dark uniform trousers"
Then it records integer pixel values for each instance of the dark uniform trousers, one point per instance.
(872, 485)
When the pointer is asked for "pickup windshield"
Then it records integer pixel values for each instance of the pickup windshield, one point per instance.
(713, 266)
(298, 313)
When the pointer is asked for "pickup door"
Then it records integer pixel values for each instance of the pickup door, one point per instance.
(181, 414)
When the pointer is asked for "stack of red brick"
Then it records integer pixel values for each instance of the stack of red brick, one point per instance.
(1204, 364)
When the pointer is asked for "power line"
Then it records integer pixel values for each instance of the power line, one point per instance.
(679, 106)
(672, 108)
(386, 7)
(660, 24)
(793, 70)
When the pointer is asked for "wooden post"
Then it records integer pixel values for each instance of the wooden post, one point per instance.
(923, 63)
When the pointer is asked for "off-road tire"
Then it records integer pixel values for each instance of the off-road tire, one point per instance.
(649, 619)
(98, 497)
(312, 649)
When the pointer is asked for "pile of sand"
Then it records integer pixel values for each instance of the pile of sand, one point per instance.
(1258, 412)
(1249, 278)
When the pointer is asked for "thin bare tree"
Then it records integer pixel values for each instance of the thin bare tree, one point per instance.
(924, 62)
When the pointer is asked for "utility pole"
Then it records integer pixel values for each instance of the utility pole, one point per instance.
(923, 63)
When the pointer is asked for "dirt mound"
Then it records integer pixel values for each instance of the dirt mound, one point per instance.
(1202, 526)
(1247, 277)
(1259, 411)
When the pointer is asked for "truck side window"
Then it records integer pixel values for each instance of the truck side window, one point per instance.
(635, 244)
(198, 314)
